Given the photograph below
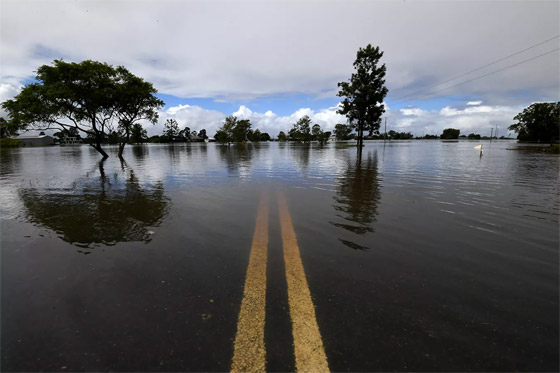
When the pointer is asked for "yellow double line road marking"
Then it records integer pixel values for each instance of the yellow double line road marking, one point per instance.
(249, 348)
(308, 345)
(249, 351)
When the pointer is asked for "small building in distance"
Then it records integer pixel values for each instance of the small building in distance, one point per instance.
(41, 140)
(70, 140)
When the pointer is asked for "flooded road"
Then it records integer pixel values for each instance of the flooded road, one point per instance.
(418, 256)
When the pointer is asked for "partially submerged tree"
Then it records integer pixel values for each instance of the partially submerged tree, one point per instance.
(343, 131)
(138, 135)
(539, 122)
(233, 130)
(88, 96)
(301, 131)
(450, 134)
(364, 93)
(171, 130)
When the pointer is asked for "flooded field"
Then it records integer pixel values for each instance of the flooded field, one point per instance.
(420, 256)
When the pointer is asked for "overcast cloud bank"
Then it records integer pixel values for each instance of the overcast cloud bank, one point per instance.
(241, 51)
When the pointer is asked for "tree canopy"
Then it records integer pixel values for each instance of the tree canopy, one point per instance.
(450, 134)
(92, 97)
(343, 131)
(233, 130)
(539, 122)
(364, 93)
(301, 131)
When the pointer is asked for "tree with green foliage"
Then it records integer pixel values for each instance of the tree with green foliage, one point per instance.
(225, 133)
(450, 134)
(138, 135)
(241, 130)
(265, 136)
(318, 134)
(171, 129)
(301, 130)
(202, 134)
(315, 131)
(364, 93)
(343, 131)
(88, 96)
(8, 128)
(233, 130)
(185, 134)
(254, 136)
(282, 136)
(473, 136)
(539, 122)
(393, 135)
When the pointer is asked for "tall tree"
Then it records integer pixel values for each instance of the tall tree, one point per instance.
(301, 131)
(364, 93)
(88, 96)
(538, 122)
(450, 134)
(185, 134)
(138, 135)
(171, 129)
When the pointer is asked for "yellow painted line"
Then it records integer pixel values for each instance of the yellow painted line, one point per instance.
(249, 354)
(308, 345)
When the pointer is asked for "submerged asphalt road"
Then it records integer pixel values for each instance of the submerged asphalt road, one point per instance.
(200, 271)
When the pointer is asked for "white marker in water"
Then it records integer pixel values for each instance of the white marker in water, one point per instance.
(479, 147)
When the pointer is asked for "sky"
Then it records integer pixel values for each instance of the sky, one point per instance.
(275, 61)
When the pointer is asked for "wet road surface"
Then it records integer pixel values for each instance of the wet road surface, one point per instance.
(418, 257)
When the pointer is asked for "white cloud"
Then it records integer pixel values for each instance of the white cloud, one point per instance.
(197, 118)
(244, 49)
(467, 119)
(474, 102)
(478, 119)
(412, 111)
(449, 111)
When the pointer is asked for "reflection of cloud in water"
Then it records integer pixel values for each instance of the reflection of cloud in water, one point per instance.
(357, 197)
(98, 210)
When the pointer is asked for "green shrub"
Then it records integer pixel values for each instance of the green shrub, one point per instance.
(10, 143)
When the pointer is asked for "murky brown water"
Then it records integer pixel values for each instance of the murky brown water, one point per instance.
(420, 256)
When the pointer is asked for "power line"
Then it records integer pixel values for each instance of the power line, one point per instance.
(497, 71)
(477, 69)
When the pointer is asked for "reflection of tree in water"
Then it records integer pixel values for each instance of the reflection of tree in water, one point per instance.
(140, 151)
(357, 197)
(301, 153)
(237, 157)
(103, 211)
(10, 160)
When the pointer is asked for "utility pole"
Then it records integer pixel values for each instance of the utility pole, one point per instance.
(491, 133)
(496, 131)
(385, 137)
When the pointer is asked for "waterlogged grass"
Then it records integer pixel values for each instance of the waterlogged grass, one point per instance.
(548, 149)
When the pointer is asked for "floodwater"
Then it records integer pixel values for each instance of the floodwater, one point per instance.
(420, 256)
